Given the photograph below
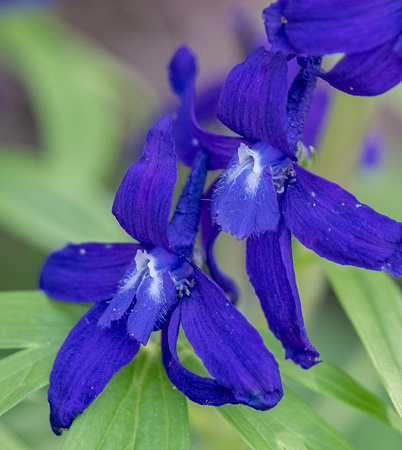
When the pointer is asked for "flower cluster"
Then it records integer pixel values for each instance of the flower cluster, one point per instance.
(263, 195)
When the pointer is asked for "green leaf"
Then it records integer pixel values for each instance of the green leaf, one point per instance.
(81, 97)
(9, 441)
(292, 424)
(139, 409)
(57, 212)
(328, 379)
(31, 319)
(24, 372)
(373, 303)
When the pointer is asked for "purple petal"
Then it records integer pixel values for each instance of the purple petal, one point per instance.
(189, 137)
(184, 224)
(334, 224)
(253, 99)
(204, 391)
(300, 96)
(270, 268)
(124, 295)
(331, 26)
(84, 365)
(245, 200)
(231, 349)
(155, 299)
(370, 73)
(183, 73)
(209, 233)
(144, 199)
(398, 46)
(86, 272)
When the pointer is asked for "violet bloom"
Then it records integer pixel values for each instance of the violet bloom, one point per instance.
(369, 32)
(139, 288)
(266, 196)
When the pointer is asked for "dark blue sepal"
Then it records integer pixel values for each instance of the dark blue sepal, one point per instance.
(335, 225)
(88, 272)
(144, 199)
(231, 349)
(300, 96)
(201, 390)
(182, 72)
(86, 362)
(270, 268)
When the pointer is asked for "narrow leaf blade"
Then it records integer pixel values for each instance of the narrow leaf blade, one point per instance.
(58, 212)
(328, 379)
(373, 303)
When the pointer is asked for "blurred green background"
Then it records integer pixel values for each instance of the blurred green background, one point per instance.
(80, 83)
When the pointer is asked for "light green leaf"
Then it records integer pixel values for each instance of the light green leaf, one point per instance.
(57, 212)
(139, 409)
(328, 379)
(31, 319)
(24, 372)
(292, 425)
(373, 303)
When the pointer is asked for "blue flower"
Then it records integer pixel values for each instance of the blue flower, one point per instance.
(266, 196)
(139, 288)
(369, 32)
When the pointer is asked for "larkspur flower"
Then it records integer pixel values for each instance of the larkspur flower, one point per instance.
(266, 196)
(139, 288)
(369, 32)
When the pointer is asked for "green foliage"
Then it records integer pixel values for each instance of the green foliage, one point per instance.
(81, 97)
(328, 379)
(84, 104)
(373, 304)
(292, 424)
(139, 409)
(24, 372)
(37, 327)
(30, 319)
(9, 441)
